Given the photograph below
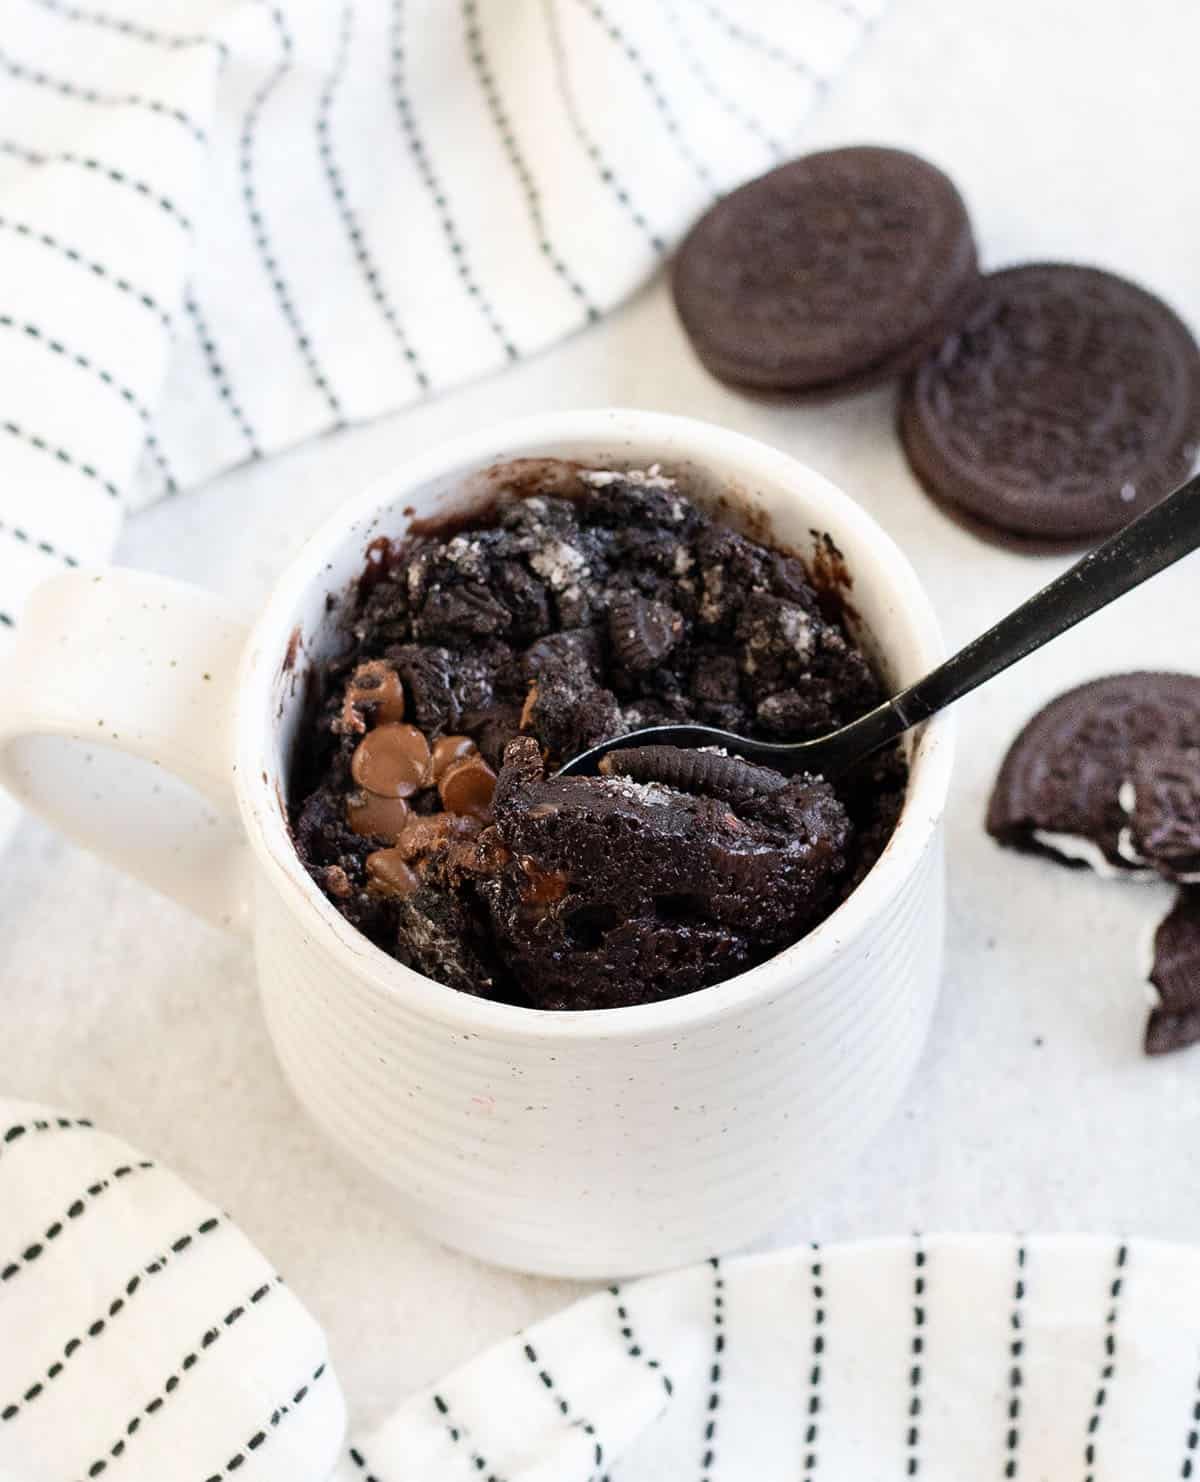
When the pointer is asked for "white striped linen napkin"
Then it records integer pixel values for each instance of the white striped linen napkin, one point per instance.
(143, 1338)
(228, 225)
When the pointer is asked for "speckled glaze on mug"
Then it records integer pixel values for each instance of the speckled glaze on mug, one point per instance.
(588, 1144)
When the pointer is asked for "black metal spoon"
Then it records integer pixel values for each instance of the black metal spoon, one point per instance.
(1142, 549)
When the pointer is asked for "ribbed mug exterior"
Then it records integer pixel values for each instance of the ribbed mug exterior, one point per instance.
(594, 1157)
(615, 1141)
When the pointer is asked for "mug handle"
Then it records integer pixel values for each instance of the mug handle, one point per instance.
(116, 726)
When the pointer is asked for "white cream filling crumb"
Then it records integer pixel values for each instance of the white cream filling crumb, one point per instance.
(1074, 846)
(1127, 849)
(710, 604)
(643, 478)
(653, 793)
(467, 555)
(559, 564)
(796, 628)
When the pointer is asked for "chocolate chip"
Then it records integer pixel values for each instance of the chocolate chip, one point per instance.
(467, 786)
(446, 751)
(390, 874)
(544, 887)
(374, 817)
(392, 761)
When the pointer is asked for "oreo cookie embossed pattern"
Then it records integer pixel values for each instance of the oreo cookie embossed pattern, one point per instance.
(482, 660)
(1067, 404)
(835, 271)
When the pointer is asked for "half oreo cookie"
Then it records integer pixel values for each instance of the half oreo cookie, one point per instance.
(1059, 790)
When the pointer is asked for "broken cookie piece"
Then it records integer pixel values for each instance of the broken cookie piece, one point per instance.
(1174, 1022)
(1059, 789)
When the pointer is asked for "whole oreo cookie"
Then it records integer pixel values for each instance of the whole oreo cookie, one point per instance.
(1060, 786)
(1067, 403)
(837, 270)
(1174, 1022)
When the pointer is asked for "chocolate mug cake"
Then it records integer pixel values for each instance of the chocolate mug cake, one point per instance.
(483, 657)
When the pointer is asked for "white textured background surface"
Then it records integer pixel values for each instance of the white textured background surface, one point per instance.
(1071, 129)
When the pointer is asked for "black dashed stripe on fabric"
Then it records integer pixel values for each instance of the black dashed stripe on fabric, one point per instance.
(258, 224)
(424, 167)
(709, 1456)
(72, 254)
(812, 1425)
(119, 1303)
(106, 172)
(477, 52)
(349, 220)
(220, 377)
(20, 1130)
(106, 377)
(267, 1429)
(633, 1347)
(6, 621)
(189, 1361)
(604, 170)
(135, 30)
(760, 44)
(360, 1461)
(22, 152)
(61, 455)
(1109, 1367)
(562, 1404)
(1016, 1376)
(80, 94)
(1193, 1438)
(44, 546)
(457, 1435)
(912, 1437)
(37, 1247)
(741, 116)
(651, 84)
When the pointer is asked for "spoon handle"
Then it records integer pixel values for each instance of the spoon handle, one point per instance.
(1145, 547)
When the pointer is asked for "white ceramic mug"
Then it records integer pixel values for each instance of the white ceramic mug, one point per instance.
(144, 723)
